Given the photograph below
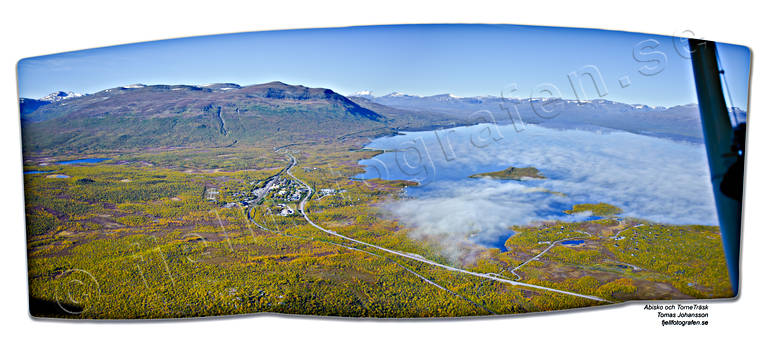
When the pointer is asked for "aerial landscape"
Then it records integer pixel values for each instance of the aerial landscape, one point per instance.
(159, 199)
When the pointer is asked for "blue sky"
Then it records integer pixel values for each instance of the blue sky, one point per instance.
(465, 60)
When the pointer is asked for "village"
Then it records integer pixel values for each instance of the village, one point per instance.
(283, 191)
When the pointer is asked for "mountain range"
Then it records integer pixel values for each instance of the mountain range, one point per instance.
(681, 122)
(224, 114)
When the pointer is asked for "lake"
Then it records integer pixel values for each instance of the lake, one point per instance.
(653, 178)
(68, 162)
(82, 161)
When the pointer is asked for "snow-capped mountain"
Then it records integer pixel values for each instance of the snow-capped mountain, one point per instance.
(60, 95)
(400, 95)
(29, 105)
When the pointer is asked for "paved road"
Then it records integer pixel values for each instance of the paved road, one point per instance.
(419, 258)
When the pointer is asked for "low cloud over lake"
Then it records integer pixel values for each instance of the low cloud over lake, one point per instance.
(653, 178)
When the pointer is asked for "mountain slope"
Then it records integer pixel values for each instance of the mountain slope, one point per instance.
(411, 119)
(27, 105)
(139, 116)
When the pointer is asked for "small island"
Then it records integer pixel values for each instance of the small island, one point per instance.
(600, 209)
(512, 173)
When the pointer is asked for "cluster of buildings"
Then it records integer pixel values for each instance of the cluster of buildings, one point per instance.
(285, 210)
(327, 191)
(288, 190)
(282, 190)
(244, 198)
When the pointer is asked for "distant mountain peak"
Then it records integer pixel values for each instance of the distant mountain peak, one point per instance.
(399, 95)
(446, 96)
(220, 86)
(59, 95)
(279, 84)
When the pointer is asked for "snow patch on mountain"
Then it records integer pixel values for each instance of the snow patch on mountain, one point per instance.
(60, 95)
(400, 95)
